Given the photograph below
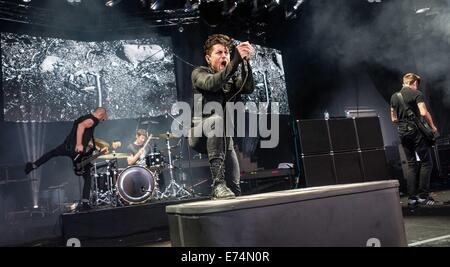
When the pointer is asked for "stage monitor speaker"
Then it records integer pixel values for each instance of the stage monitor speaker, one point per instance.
(375, 165)
(369, 133)
(444, 154)
(348, 167)
(343, 135)
(318, 170)
(314, 138)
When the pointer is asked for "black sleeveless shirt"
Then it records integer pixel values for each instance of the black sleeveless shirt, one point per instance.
(88, 134)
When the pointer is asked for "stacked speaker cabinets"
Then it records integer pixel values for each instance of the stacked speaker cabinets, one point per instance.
(342, 151)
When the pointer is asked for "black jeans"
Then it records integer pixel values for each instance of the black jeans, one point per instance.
(61, 151)
(214, 147)
(413, 142)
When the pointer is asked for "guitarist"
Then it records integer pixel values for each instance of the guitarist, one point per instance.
(413, 139)
(78, 142)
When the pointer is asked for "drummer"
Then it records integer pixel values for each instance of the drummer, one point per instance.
(136, 149)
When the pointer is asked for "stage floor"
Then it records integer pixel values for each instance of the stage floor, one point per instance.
(429, 227)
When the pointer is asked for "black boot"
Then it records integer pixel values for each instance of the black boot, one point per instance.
(220, 189)
(29, 167)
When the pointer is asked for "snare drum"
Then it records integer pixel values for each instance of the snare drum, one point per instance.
(154, 161)
(136, 184)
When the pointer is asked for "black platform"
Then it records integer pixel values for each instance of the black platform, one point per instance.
(120, 226)
(364, 214)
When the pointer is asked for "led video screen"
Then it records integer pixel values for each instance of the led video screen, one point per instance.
(268, 73)
(50, 79)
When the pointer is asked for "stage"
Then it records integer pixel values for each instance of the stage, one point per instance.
(308, 103)
(147, 226)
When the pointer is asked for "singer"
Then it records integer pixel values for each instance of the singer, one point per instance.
(220, 82)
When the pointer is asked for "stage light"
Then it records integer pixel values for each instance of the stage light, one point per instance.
(292, 12)
(297, 5)
(155, 4)
(228, 8)
(32, 146)
(111, 3)
(74, 2)
(192, 5)
(272, 5)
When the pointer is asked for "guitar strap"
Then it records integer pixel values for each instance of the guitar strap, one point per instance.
(411, 115)
(408, 110)
(93, 141)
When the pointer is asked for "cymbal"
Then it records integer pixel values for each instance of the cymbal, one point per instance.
(100, 143)
(148, 122)
(114, 156)
(165, 149)
(167, 136)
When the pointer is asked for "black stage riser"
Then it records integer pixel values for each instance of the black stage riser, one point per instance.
(367, 214)
(120, 226)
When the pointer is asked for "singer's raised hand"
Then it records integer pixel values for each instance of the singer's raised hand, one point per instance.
(245, 49)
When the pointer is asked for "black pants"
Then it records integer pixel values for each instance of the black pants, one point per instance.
(62, 151)
(215, 148)
(413, 142)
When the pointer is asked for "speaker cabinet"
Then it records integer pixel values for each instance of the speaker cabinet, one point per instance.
(348, 168)
(319, 170)
(342, 151)
(342, 135)
(369, 133)
(345, 168)
(314, 138)
(375, 165)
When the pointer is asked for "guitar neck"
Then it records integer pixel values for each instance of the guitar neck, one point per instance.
(95, 155)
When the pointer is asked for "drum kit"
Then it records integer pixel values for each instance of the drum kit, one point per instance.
(135, 184)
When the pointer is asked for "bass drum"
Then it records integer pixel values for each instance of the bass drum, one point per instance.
(135, 185)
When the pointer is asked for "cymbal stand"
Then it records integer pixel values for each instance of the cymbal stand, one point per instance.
(173, 189)
(107, 197)
(157, 194)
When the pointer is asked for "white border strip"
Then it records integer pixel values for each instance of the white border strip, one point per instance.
(428, 240)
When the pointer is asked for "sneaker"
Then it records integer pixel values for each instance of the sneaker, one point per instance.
(29, 167)
(221, 191)
(428, 201)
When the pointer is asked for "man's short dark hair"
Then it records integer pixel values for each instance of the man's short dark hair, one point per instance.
(216, 39)
(141, 132)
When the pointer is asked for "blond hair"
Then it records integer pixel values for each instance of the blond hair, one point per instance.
(411, 78)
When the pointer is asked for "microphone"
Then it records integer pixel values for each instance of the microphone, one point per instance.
(235, 43)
